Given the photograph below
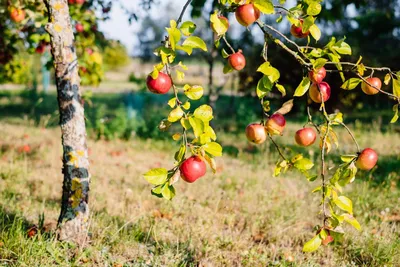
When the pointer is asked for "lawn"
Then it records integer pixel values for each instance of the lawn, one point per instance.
(241, 216)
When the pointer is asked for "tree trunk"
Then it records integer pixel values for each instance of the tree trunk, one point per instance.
(74, 216)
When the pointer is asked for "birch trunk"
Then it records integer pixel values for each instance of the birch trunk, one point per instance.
(74, 216)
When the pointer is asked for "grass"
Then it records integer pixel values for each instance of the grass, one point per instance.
(242, 216)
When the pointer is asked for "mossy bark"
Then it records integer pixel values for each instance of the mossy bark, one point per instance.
(74, 217)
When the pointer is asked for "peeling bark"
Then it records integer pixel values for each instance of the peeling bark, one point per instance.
(74, 216)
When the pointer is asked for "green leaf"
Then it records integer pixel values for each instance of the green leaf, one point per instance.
(187, 49)
(303, 164)
(195, 42)
(213, 149)
(174, 37)
(303, 87)
(265, 6)
(180, 154)
(396, 87)
(344, 203)
(351, 220)
(175, 114)
(224, 53)
(187, 28)
(197, 125)
(156, 176)
(396, 113)
(351, 83)
(342, 47)
(307, 23)
(264, 86)
(315, 32)
(313, 244)
(193, 92)
(347, 158)
(227, 68)
(314, 8)
(168, 191)
(319, 63)
(269, 71)
(156, 191)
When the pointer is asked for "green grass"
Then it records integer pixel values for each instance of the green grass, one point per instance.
(242, 216)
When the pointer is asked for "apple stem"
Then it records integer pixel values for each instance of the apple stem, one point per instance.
(228, 44)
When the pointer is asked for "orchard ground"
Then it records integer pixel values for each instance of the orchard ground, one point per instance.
(242, 216)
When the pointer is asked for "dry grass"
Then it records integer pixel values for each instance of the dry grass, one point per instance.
(240, 217)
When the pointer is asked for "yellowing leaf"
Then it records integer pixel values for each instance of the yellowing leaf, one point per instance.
(175, 114)
(344, 203)
(315, 32)
(204, 112)
(265, 6)
(193, 92)
(172, 102)
(211, 162)
(176, 136)
(187, 28)
(351, 83)
(213, 148)
(156, 176)
(313, 244)
(303, 87)
(396, 87)
(220, 26)
(195, 42)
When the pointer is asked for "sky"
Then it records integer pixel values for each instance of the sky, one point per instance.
(118, 27)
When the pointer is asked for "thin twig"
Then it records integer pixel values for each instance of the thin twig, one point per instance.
(380, 90)
(277, 147)
(182, 12)
(351, 134)
(228, 44)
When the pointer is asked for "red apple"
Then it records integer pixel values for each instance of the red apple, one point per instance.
(224, 21)
(17, 15)
(247, 14)
(160, 85)
(298, 31)
(367, 159)
(40, 49)
(79, 27)
(370, 90)
(71, 2)
(192, 169)
(89, 51)
(256, 133)
(318, 75)
(315, 94)
(237, 60)
(305, 137)
(276, 124)
(80, 2)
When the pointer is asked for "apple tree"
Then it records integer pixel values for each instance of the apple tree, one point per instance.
(198, 141)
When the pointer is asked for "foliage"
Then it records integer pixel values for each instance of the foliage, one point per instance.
(115, 55)
(336, 208)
